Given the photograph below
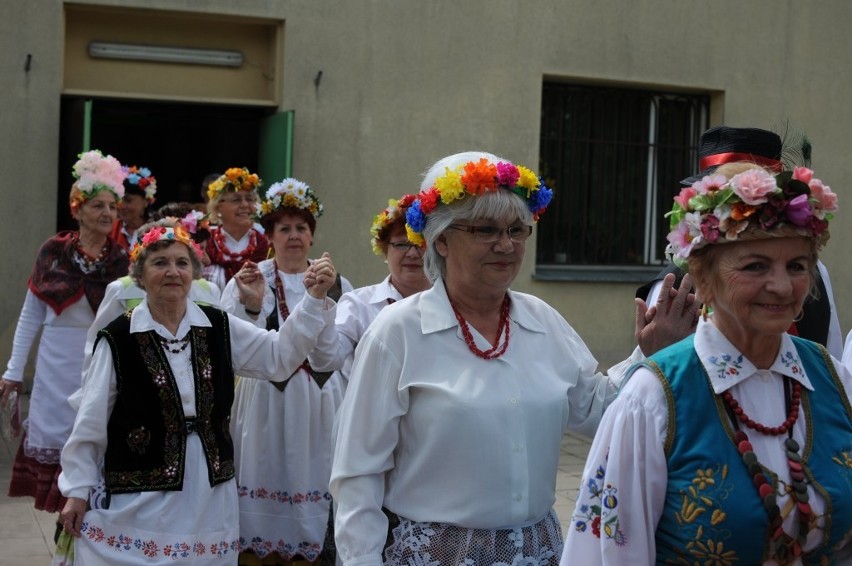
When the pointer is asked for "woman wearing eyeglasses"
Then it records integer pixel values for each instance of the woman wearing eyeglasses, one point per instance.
(233, 204)
(282, 431)
(357, 309)
(449, 435)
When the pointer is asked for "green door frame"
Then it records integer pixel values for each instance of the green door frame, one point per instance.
(275, 159)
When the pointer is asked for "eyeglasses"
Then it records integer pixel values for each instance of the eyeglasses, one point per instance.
(404, 246)
(492, 234)
(237, 199)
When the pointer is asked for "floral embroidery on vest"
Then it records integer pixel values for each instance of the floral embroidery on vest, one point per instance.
(205, 401)
(150, 448)
(171, 472)
(708, 490)
(844, 459)
(138, 440)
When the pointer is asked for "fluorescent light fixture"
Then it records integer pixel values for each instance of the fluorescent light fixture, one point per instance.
(162, 54)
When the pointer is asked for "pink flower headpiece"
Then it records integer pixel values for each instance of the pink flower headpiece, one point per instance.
(95, 173)
(195, 221)
(716, 209)
(165, 234)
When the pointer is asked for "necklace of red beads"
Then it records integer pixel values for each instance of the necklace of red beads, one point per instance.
(279, 292)
(786, 549)
(502, 342)
(221, 254)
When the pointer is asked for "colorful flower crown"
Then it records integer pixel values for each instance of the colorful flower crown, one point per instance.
(290, 193)
(195, 221)
(94, 173)
(476, 178)
(234, 179)
(396, 209)
(142, 178)
(717, 210)
(165, 234)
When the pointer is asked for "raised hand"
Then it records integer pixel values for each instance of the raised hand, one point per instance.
(251, 286)
(671, 319)
(320, 276)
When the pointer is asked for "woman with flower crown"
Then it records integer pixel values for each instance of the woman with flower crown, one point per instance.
(282, 431)
(746, 431)
(449, 435)
(153, 420)
(64, 291)
(357, 309)
(140, 188)
(234, 240)
(123, 293)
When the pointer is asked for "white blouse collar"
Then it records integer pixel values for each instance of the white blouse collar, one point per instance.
(384, 291)
(436, 303)
(142, 321)
(727, 366)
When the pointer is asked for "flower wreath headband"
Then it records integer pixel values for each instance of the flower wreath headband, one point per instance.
(234, 179)
(476, 178)
(165, 234)
(94, 173)
(290, 193)
(395, 210)
(195, 221)
(142, 178)
(717, 210)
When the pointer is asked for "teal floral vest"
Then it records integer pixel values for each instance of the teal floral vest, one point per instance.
(713, 513)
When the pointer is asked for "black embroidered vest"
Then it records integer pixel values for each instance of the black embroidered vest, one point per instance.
(146, 433)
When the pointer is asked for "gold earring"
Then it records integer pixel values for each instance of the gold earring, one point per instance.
(704, 312)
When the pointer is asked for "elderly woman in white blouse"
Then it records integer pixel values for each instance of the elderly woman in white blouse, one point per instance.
(153, 421)
(449, 435)
(733, 446)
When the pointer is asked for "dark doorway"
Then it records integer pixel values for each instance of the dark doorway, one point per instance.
(179, 142)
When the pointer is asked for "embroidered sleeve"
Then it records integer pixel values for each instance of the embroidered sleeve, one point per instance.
(623, 488)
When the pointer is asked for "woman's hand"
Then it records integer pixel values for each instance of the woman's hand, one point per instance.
(71, 516)
(251, 286)
(6, 388)
(670, 320)
(320, 276)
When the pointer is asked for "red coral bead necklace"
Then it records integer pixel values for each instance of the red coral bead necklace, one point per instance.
(502, 343)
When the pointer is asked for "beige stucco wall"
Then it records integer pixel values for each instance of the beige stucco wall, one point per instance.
(406, 82)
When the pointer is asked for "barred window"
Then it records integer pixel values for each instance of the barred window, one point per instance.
(614, 158)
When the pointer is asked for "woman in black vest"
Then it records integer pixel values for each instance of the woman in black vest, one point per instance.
(153, 426)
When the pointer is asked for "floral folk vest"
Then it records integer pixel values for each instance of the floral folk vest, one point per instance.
(712, 509)
(147, 430)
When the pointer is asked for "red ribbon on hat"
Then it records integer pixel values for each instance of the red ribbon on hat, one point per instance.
(731, 157)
